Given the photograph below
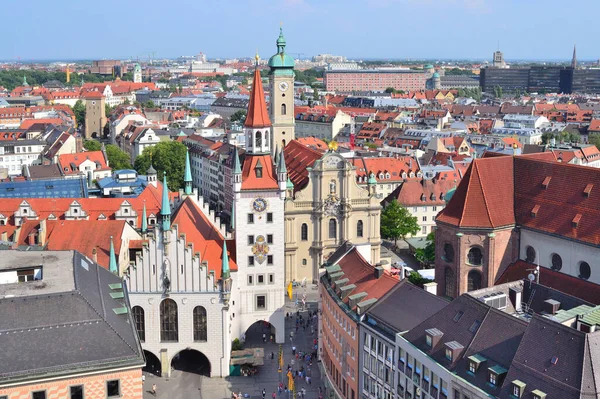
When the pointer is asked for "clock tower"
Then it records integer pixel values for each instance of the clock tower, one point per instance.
(281, 87)
(258, 205)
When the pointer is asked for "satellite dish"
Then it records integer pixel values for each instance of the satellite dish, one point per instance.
(531, 277)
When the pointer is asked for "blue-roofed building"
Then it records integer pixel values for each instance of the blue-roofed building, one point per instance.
(45, 188)
(122, 183)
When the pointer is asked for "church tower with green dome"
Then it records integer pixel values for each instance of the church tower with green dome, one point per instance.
(281, 88)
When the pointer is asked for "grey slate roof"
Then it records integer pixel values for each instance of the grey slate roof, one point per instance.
(64, 323)
(577, 353)
(405, 306)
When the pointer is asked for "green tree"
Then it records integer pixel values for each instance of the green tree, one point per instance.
(427, 255)
(126, 102)
(117, 158)
(239, 116)
(315, 94)
(92, 145)
(594, 139)
(167, 157)
(108, 109)
(79, 111)
(397, 222)
(149, 104)
(417, 279)
(390, 90)
(547, 137)
(302, 96)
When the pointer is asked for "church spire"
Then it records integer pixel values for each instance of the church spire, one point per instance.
(188, 174)
(144, 220)
(257, 116)
(574, 59)
(225, 262)
(165, 210)
(112, 264)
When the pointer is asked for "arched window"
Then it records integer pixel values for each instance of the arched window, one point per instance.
(258, 140)
(449, 282)
(283, 109)
(168, 321)
(140, 322)
(585, 271)
(283, 143)
(359, 228)
(332, 228)
(199, 324)
(448, 254)
(473, 280)
(530, 254)
(556, 262)
(475, 257)
(304, 232)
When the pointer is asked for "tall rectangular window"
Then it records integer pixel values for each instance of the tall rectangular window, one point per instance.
(261, 302)
(250, 260)
(113, 388)
(269, 217)
(250, 218)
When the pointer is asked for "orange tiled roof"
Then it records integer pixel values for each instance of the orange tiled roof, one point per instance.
(28, 123)
(484, 197)
(421, 192)
(204, 237)
(313, 142)
(249, 179)
(257, 116)
(66, 160)
(594, 125)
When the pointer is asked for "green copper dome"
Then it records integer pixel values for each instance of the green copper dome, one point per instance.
(428, 66)
(436, 75)
(372, 179)
(281, 59)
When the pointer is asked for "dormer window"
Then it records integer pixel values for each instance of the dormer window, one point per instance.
(258, 170)
(517, 389)
(432, 337)
(537, 394)
(453, 350)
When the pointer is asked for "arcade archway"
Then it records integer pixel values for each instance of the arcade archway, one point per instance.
(191, 361)
(152, 363)
(259, 333)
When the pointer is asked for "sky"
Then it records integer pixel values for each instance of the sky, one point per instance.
(369, 29)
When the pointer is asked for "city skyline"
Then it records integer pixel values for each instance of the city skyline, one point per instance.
(442, 29)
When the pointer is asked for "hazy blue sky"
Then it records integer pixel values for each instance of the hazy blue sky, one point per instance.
(86, 29)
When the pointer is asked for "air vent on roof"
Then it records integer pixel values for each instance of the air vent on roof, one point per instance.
(576, 220)
(546, 182)
(534, 211)
(497, 300)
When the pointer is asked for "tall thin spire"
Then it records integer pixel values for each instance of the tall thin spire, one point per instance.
(232, 221)
(225, 262)
(165, 210)
(144, 219)
(112, 264)
(257, 116)
(237, 167)
(281, 168)
(188, 174)
(574, 59)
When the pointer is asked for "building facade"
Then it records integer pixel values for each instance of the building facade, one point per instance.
(375, 80)
(95, 115)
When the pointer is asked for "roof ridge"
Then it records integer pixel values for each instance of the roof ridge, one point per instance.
(468, 183)
(487, 207)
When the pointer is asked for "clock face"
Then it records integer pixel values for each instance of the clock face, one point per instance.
(283, 86)
(259, 204)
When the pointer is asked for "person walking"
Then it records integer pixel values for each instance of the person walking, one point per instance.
(273, 395)
(264, 393)
(154, 389)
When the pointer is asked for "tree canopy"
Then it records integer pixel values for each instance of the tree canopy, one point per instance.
(594, 139)
(239, 116)
(117, 158)
(426, 256)
(11, 78)
(92, 145)
(167, 157)
(79, 111)
(397, 222)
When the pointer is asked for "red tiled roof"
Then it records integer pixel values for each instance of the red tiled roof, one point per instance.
(313, 142)
(65, 160)
(257, 116)
(77, 235)
(594, 125)
(561, 201)
(27, 123)
(202, 234)
(394, 166)
(485, 196)
(298, 158)
(362, 274)
(421, 192)
(550, 278)
(249, 179)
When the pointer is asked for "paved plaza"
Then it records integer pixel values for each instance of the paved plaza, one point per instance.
(184, 385)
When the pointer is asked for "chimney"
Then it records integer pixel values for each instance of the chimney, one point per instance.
(42, 233)
(551, 306)
(378, 272)
(4, 236)
(516, 295)
(430, 287)
(95, 255)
